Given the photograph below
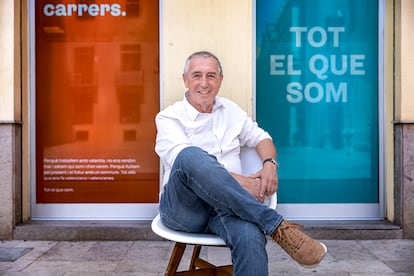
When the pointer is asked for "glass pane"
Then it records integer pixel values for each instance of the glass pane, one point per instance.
(97, 93)
(317, 94)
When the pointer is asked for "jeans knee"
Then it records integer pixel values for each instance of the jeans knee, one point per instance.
(190, 153)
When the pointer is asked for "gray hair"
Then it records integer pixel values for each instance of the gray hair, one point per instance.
(202, 54)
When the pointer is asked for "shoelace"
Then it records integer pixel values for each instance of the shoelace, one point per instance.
(294, 239)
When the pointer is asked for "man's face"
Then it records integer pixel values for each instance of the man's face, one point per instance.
(203, 82)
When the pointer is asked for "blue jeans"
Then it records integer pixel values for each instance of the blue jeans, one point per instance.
(201, 196)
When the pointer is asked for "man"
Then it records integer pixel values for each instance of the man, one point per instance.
(198, 141)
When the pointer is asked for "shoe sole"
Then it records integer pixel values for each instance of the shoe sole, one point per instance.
(320, 259)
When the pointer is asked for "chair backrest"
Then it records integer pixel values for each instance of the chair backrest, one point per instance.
(250, 160)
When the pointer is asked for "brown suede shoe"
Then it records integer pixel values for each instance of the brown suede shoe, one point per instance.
(302, 248)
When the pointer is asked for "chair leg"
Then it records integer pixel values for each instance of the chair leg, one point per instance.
(197, 267)
(202, 267)
(175, 258)
(194, 257)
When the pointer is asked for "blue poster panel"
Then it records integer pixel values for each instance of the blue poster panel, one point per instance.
(317, 95)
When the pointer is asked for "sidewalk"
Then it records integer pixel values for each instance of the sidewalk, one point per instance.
(149, 258)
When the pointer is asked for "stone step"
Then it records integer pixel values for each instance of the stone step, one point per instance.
(65, 230)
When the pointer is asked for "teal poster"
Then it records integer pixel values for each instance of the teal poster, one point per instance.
(317, 95)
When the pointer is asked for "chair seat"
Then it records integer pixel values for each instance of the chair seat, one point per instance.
(184, 237)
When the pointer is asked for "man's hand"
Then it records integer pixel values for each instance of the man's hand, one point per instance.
(254, 185)
(268, 179)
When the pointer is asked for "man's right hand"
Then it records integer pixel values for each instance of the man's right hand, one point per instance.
(250, 184)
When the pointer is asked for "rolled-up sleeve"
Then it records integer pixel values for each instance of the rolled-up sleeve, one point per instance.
(251, 134)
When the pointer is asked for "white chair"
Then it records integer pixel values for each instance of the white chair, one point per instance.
(250, 163)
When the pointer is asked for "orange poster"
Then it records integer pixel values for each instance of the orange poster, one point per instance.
(97, 93)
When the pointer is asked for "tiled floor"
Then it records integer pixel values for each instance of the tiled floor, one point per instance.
(149, 258)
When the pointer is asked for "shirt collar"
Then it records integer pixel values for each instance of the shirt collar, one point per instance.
(193, 113)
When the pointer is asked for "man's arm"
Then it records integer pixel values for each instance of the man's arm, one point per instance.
(170, 139)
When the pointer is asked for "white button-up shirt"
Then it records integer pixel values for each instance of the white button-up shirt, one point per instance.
(221, 132)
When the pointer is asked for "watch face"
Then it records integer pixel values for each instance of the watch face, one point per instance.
(275, 162)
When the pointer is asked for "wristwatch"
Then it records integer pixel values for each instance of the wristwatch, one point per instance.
(273, 161)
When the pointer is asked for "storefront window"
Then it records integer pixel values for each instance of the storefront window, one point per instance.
(317, 94)
(96, 96)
